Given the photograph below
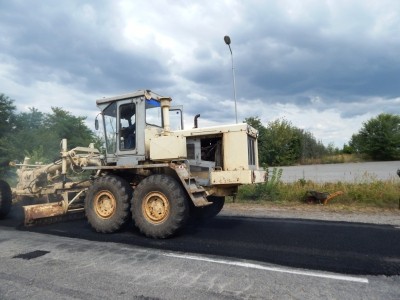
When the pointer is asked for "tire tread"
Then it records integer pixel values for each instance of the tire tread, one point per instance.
(178, 206)
(123, 194)
(5, 199)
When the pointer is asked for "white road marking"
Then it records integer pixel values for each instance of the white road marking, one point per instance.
(273, 269)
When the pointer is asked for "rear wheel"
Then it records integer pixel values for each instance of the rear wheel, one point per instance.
(107, 204)
(210, 211)
(160, 206)
(5, 199)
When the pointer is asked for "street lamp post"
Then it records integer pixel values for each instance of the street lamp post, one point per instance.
(227, 40)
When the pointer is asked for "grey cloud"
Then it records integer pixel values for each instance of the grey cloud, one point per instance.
(51, 44)
(337, 72)
(374, 106)
(287, 57)
(341, 53)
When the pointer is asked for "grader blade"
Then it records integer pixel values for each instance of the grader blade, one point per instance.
(42, 211)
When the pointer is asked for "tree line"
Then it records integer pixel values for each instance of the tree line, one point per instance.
(37, 135)
(280, 143)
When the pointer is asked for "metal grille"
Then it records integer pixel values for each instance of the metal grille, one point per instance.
(251, 150)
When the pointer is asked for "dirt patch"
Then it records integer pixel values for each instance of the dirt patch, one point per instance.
(315, 212)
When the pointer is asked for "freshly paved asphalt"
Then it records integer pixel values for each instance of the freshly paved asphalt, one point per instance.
(341, 247)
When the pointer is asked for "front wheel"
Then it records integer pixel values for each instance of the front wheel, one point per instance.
(5, 199)
(107, 204)
(160, 206)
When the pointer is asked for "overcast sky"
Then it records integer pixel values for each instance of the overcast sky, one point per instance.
(325, 66)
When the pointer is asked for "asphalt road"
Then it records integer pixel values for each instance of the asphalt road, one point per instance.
(369, 252)
(345, 172)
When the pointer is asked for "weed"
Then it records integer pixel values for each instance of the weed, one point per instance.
(266, 191)
(367, 191)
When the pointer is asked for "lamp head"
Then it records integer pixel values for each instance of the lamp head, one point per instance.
(227, 40)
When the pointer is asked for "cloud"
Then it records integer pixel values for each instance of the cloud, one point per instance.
(325, 65)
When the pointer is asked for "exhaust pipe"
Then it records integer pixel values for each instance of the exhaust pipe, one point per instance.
(195, 120)
(165, 105)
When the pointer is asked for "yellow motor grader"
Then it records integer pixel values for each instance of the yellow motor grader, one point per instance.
(158, 176)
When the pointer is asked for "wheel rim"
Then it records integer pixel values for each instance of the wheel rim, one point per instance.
(156, 207)
(105, 204)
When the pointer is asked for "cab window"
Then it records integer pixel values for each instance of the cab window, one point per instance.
(153, 113)
(110, 127)
(127, 119)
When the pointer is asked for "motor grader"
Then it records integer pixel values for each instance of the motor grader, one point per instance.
(157, 176)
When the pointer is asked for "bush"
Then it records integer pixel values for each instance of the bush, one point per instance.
(265, 191)
(365, 192)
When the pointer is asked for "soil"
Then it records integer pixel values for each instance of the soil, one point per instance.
(314, 212)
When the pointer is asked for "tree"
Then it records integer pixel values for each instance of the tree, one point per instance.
(31, 136)
(379, 138)
(284, 143)
(67, 126)
(347, 149)
(34, 119)
(310, 147)
(281, 143)
(7, 123)
(38, 135)
(7, 114)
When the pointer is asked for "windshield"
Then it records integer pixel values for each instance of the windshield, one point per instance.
(110, 127)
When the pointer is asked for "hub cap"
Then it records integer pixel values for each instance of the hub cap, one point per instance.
(105, 204)
(155, 207)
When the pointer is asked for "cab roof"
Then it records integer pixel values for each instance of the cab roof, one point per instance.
(148, 94)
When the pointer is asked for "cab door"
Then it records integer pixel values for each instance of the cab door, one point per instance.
(130, 135)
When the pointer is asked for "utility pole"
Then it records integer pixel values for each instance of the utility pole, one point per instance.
(227, 40)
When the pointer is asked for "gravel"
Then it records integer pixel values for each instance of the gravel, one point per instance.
(314, 212)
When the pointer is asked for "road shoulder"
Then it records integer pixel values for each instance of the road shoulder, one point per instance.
(314, 212)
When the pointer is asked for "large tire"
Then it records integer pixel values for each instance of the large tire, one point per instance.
(210, 211)
(5, 199)
(107, 204)
(160, 206)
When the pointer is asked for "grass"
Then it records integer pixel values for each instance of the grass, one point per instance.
(365, 192)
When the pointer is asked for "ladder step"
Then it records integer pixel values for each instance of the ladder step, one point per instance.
(183, 173)
(197, 193)
(190, 179)
(197, 190)
(200, 200)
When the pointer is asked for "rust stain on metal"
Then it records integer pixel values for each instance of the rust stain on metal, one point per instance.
(39, 211)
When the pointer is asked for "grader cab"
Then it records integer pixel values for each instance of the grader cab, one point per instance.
(158, 176)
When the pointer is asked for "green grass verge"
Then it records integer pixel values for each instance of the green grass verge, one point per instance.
(365, 193)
